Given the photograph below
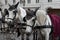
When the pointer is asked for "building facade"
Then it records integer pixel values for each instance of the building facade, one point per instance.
(43, 4)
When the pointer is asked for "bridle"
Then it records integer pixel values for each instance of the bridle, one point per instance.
(34, 21)
(14, 12)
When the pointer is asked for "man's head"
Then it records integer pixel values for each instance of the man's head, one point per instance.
(49, 9)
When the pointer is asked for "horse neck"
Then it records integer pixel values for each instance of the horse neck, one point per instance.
(21, 12)
(18, 13)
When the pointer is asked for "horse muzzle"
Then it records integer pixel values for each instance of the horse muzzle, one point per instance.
(28, 29)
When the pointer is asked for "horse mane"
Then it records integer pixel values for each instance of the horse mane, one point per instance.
(18, 13)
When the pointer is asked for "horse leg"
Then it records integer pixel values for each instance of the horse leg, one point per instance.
(18, 32)
(0, 26)
(45, 32)
(27, 38)
(39, 35)
(22, 36)
(3, 26)
(47, 36)
(34, 35)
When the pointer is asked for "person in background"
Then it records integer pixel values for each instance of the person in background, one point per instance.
(55, 19)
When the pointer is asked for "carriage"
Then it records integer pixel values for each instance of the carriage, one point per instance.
(14, 20)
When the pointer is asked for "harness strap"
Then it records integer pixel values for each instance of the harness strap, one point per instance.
(44, 26)
(34, 22)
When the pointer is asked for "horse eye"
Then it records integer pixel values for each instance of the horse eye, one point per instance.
(15, 11)
(6, 11)
(33, 19)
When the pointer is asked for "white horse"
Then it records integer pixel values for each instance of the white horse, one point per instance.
(42, 18)
(15, 12)
(11, 12)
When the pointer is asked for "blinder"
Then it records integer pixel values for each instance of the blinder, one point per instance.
(24, 19)
(6, 12)
(15, 11)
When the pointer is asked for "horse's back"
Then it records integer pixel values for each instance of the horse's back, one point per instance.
(41, 17)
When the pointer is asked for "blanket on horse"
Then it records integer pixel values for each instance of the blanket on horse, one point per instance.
(56, 24)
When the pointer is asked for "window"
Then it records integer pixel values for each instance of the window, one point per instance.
(23, 2)
(37, 1)
(13, 1)
(29, 1)
(49, 0)
(20, 1)
(5, 1)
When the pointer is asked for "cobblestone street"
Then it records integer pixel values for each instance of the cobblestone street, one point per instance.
(5, 36)
(10, 36)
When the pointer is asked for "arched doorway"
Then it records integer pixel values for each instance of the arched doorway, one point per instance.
(56, 11)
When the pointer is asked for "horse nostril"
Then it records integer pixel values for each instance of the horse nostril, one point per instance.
(9, 22)
(28, 29)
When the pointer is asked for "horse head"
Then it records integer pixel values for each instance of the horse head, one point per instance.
(30, 19)
(11, 11)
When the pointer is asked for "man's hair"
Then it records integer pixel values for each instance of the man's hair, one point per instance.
(49, 9)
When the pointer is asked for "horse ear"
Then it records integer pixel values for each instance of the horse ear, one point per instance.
(9, 5)
(16, 5)
(36, 10)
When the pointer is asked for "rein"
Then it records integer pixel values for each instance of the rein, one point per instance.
(34, 22)
(39, 27)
